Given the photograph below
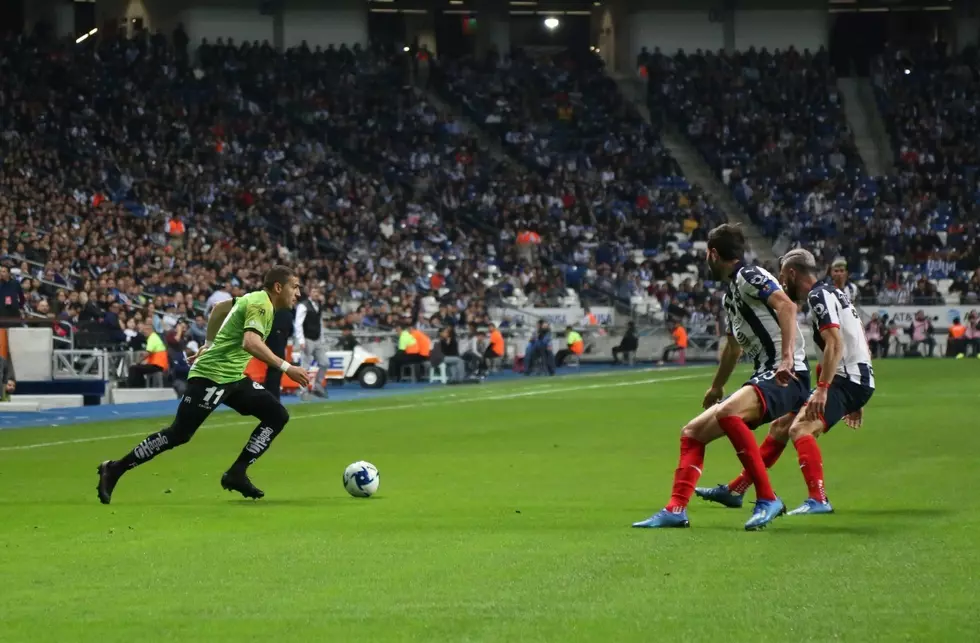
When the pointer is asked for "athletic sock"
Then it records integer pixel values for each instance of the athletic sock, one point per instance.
(771, 449)
(152, 446)
(687, 473)
(258, 443)
(748, 453)
(811, 465)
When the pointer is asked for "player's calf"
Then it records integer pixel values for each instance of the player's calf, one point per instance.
(771, 449)
(804, 434)
(272, 420)
(153, 445)
(732, 415)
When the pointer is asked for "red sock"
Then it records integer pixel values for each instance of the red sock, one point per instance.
(771, 449)
(811, 465)
(687, 473)
(748, 453)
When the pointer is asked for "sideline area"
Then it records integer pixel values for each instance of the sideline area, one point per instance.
(347, 393)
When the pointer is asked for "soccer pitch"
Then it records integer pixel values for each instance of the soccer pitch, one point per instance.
(503, 515)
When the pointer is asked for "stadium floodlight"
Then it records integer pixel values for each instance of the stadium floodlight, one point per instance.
(551, 23)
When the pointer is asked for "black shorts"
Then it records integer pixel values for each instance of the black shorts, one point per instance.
(844, 397)
(778, 400)
(203, 396)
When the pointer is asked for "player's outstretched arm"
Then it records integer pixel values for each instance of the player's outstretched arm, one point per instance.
(254, 345)
(729, 358)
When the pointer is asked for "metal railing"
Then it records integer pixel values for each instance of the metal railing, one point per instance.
(78, 365)
(95, 364)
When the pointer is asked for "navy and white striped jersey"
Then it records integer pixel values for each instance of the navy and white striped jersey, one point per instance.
(850, 288)
(830, 307)
(753, 322)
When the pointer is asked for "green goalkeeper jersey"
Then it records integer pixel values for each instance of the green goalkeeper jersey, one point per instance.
(225, 360)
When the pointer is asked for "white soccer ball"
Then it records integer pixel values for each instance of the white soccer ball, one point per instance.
(361, 479)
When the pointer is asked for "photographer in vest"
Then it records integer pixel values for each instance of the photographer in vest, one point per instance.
(308, 336)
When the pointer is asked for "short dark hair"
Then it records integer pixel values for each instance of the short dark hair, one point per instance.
(729, 240)
(278, 274)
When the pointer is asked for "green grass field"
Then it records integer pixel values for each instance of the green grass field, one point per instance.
(503, 515)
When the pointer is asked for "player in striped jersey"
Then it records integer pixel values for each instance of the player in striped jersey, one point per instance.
(845, 383)
(839, 278)
(762, 322)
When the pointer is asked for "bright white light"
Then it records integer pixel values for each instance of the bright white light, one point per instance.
(86, 35)
(551, 23)
(406, 48)
(597, 50)
(907, 71)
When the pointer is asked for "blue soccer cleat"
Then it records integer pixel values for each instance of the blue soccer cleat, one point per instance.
(811, 506)
(720, 494)
(764, 513)
(664, 519)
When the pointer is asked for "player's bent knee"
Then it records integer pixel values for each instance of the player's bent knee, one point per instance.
(780, 429)
(177, 435)
(803, 427)
(704, 428)
(282, 415)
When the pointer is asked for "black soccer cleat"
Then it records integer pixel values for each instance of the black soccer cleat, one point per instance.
(238, 481)
(108, 477)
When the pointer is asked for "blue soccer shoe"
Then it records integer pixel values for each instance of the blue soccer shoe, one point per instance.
(720, 494)
(764, 513)
(664, 519)
(811, 506)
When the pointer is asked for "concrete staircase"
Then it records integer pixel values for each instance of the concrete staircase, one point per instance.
(870, 135)
(696, 170)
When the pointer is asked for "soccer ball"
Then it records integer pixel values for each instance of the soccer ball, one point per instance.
(361, 479)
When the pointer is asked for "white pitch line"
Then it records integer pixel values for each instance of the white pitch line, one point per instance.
(395, 407)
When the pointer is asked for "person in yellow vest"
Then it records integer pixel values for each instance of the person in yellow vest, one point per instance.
(576, 346)
(156, 360)
(409, 351)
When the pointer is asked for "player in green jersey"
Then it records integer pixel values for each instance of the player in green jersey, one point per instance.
(237, 330)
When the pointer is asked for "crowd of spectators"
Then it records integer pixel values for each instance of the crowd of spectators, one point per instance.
(139, 179)
(772, 125)
(595, 179)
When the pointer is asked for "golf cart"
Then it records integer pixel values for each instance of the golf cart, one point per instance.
(357, 365)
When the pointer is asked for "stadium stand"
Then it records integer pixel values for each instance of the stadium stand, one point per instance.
(773, 128)
(140, 182)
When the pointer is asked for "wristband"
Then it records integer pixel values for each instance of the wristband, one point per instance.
(823, 384)
(284, 366)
